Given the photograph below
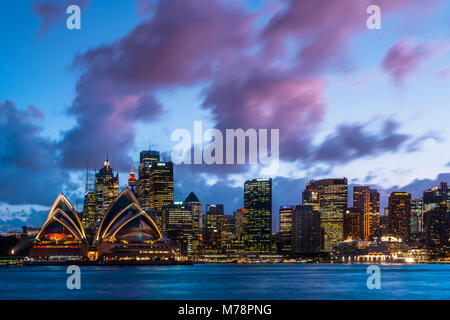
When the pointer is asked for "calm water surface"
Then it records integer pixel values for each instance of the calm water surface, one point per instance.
(227, 281)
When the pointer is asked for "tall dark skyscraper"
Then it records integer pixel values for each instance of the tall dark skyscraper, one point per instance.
(368, 202)
(332, 205)
(258, 215)
(399, 215)
(436, 226)
(305, 230)
(106, 189)
(353, 224)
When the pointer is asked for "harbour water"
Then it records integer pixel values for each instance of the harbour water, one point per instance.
(228, 281)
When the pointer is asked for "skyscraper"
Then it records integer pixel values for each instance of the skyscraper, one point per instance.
(177, 221)
(368, 201)
(132, 183)
(436, 226)
(212, 232)
(310, 196)
(399, 215)
(432, 198)
(239, 219)
(106, 189)
(228, 233)
(155, 184)
(416, 218)
(146, 158)
(305, 230)
(332, 206)
(353, 224)
(258, 215)
(286, 228)
(89, 218)
(193, 203)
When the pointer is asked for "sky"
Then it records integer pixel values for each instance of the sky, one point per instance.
(369, 105)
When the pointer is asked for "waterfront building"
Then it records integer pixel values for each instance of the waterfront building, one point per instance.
(179, 226)
(416, 219)
(128, 233)
(399, 215)
(285, 228)
(106, 189)
(258, 215)
(368, 202)
(125, 233)
(332, 206)
(305, 234)
(62, 234)
(353, 224)
(436, 226)
(432, 198)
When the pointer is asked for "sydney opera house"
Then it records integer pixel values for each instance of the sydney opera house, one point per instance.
(126, 233)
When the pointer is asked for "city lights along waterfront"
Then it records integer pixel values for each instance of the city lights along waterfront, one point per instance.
(228, 281)
(142, 224)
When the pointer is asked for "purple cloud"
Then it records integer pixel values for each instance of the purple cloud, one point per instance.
(404, 58)
(324, 29)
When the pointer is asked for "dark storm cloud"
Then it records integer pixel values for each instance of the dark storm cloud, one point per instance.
(29, 168)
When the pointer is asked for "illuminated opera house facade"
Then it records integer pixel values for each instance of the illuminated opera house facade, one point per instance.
(126, 233)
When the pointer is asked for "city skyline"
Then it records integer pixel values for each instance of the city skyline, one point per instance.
(349, 101)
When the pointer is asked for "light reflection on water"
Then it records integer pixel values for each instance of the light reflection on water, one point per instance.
(227, 281)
